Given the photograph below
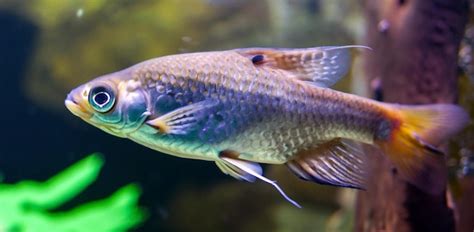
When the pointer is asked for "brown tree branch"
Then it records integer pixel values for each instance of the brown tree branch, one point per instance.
(415, 45)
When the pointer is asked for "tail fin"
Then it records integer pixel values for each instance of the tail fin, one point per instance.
(413, 138)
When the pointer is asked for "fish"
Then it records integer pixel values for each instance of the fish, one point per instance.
(245, 107)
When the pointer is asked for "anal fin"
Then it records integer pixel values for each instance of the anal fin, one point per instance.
(338, 162)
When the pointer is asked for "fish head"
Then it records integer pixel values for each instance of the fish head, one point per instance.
(115, 103)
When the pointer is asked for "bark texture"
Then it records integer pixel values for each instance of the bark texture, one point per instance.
(415, 48)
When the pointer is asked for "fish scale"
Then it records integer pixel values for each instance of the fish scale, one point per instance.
(296, 103)
(246, 106)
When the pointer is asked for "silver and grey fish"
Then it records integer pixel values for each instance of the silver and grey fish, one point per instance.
(242, 107)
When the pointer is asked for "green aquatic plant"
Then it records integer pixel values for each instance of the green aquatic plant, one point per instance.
(28, 205)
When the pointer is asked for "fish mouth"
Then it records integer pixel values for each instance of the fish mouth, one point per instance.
(76, 108)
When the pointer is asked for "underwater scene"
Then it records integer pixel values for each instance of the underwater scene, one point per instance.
(237, 115)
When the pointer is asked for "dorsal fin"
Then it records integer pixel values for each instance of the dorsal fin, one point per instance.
(322, 66)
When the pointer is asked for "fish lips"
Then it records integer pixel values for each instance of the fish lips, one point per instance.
(76, 107)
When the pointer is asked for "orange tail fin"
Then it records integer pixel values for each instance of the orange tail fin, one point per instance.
(413, 138)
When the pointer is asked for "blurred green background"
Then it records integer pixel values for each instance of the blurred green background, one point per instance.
(51, 46)
(30, 205)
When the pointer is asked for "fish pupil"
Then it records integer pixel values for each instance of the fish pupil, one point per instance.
(101, 98)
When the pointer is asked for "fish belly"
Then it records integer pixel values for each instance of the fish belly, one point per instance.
(174, 145)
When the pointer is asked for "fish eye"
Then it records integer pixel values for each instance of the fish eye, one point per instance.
(102, 99)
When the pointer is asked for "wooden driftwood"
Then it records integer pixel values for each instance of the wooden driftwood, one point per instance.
(415, 45)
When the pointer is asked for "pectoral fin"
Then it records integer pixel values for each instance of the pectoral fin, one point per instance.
(322, 66)
(183, 119)
(246, 170)
(338, 162)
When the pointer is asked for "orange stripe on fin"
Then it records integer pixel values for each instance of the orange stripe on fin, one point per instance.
(412, 143)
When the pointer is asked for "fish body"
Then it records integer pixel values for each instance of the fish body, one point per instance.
(259, 112)
(242, 107)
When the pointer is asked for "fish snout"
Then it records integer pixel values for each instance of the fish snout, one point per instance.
(76, 102)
